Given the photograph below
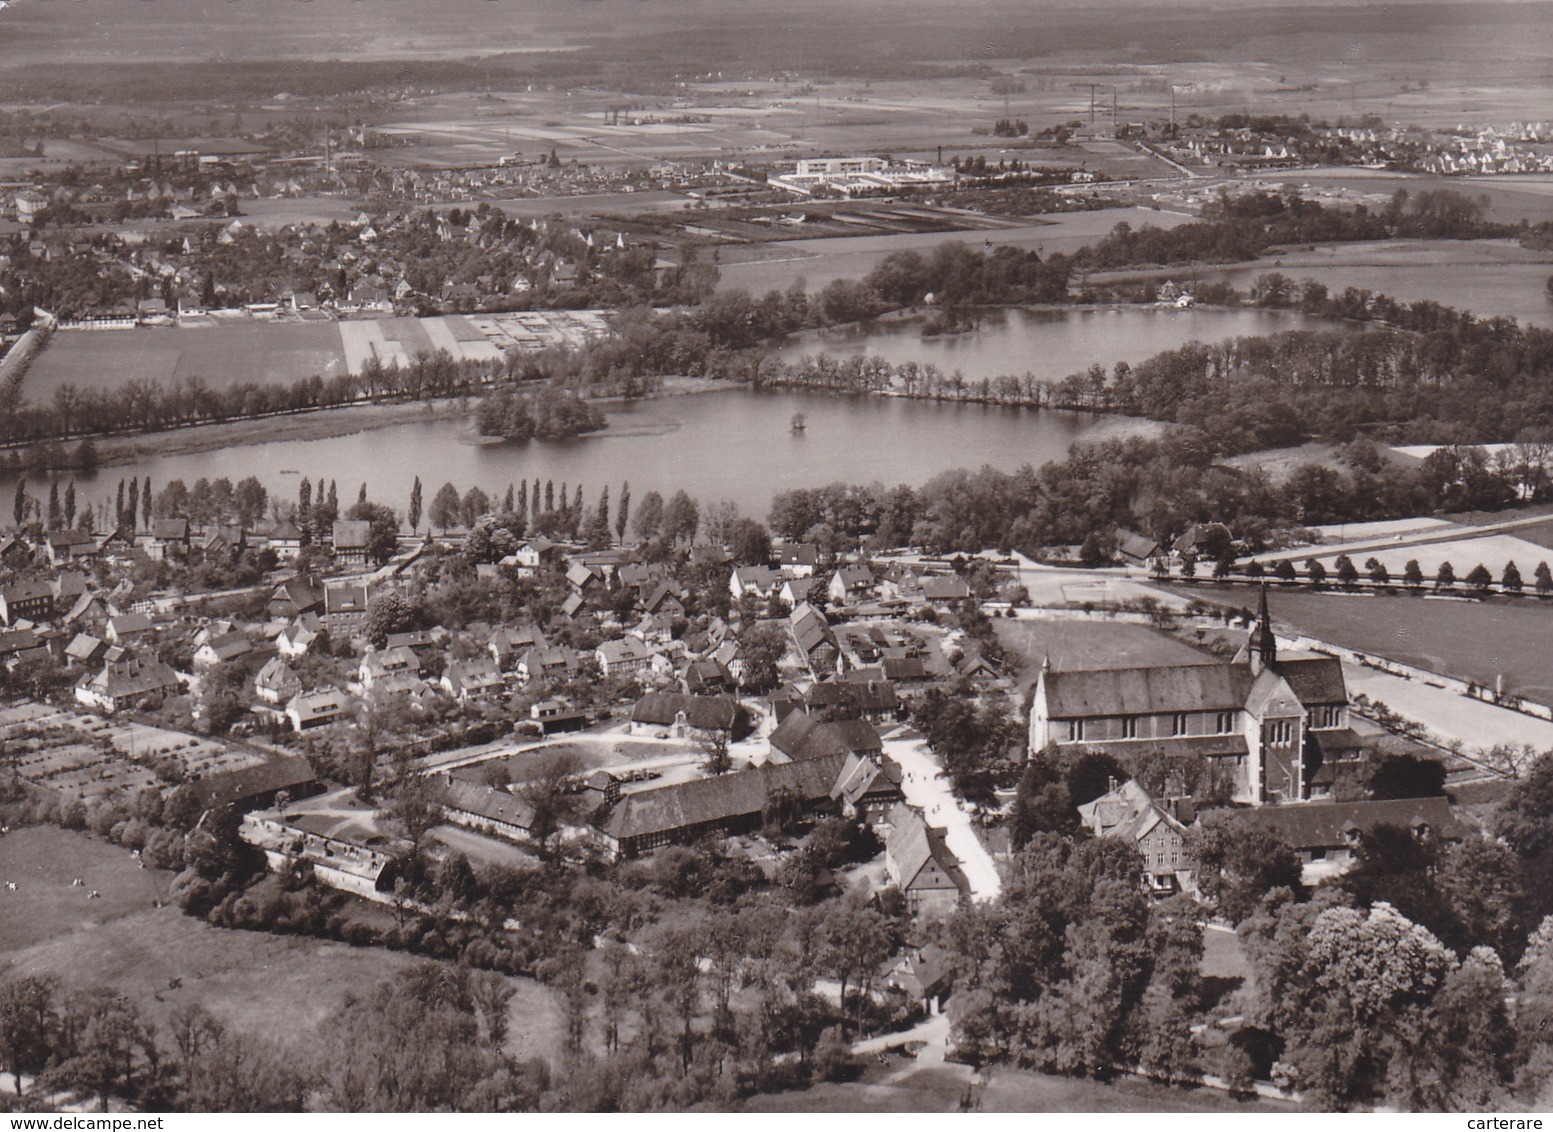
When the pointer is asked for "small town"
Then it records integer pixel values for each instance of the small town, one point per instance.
(572, 559)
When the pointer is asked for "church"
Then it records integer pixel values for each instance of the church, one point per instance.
(1267, 723)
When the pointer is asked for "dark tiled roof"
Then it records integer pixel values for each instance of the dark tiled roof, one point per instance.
(1316, 825)
(233, 786)
(1315, 679)
(707, 801)
(801, 737)
(705, 713)
(1153, 690)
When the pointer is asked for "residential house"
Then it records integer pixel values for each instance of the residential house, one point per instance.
(125, 683)
(666, 715)
(345, 610)
(795, 591)
(85, 651)
(352, 538)
(812, 637)
(758, 581)
(18, 645)
(797, 559)
(375, 665)
(69, 546)
(526, 560)
(1128, 813)
(296, 596)
(222, 650)
(129, 628)
(683, 812)
(285, 540)
(302, 636)
(920, 865)
(801, 736)
(550, 665)
(508, 644)
(706, 677)
(319, 708)
(26, 601)
(1135, 549)
(475, 678)
(486, 810)
(1265, 723)
(624, 657)
(276, 683)
(168, 538)
(942, 590)
(851, 584)
(868, 788)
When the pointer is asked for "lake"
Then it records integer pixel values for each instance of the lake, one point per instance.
(729, 444)
(1049, 343)
(736, 444)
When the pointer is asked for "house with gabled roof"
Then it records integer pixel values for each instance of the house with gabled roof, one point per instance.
(472, 679)
(918, 862)
(296, 596)
(319, 708)
(26, 601)
(508, 644)
(1128, 813)
(812, 638)
(168, 538)
(285, 540)
(124, 683)
(759, 581)
(623, 657)
(352, 539)
(666, 715)
(797, 559)
(302, 636)
(682, 812)
(1325, 836)
(222, 650)
(851, 583)
(276, 683)
(801, 736)
(128, 628)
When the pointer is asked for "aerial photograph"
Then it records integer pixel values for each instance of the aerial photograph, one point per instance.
(827, 556)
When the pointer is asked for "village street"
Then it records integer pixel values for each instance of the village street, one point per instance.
(927, 789)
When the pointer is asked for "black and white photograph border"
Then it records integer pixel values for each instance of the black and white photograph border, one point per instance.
(829, 558)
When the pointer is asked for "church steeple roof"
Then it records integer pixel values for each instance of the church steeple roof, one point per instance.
(1262, 645)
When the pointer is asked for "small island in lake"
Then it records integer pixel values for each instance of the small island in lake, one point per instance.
(799, 424)
(545, 414)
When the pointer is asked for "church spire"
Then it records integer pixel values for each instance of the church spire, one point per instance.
(1263, 646)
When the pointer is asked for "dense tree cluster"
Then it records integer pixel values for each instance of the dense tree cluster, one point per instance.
(546, 414)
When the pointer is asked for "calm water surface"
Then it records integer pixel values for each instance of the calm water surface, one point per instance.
(737, 444)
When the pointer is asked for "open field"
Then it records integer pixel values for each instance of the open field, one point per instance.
(818, 262)
(1492, 551)
(1470, 640)
(42, 861)
(1487, 277)
(226, 351)
(282, 987)
(220, 356)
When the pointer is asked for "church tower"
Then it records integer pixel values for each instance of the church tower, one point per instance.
(1262, 646)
